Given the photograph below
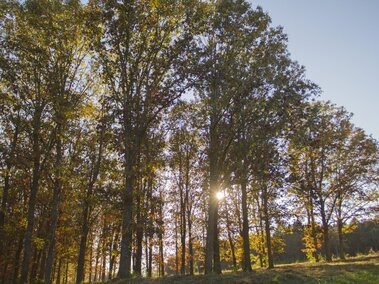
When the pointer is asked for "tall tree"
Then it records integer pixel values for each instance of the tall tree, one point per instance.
(33, 58)
(141, 51)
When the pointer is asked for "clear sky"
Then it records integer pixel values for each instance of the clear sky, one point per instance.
(338, 43)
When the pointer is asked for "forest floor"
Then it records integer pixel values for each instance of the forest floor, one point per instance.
(363, 269)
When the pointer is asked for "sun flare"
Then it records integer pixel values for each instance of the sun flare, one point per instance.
(220, 195)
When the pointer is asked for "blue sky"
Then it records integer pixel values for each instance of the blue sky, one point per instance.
(338, 43)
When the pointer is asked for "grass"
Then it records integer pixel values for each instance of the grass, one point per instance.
(364, 269)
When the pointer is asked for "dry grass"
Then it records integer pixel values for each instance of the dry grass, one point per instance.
(363, 269)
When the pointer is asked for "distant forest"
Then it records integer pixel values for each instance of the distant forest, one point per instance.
(145, 138)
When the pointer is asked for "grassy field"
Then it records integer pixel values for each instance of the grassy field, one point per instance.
(354, 270)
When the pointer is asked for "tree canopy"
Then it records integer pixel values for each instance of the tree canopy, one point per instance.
(156, 137)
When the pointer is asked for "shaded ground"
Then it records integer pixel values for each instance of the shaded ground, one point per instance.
(354, 270)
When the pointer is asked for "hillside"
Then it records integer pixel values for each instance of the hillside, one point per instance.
(363, 269)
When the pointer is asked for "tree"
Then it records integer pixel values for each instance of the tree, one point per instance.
(354, 175)
(141, 50)
(184, 162)
(102, 165)
(323, 156)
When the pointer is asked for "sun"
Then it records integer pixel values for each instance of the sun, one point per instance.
(220, 195)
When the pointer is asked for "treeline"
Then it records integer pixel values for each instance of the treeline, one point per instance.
(360, 238)
(149, 137)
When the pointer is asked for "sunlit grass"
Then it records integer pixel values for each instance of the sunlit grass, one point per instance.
(363, 269)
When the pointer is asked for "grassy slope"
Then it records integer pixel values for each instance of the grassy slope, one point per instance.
(354, 270)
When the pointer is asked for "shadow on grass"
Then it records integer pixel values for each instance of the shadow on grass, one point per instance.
(356, 270)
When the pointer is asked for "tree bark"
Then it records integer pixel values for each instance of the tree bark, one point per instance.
(58, 279)
(36, 270)
(150, 232)
(126, 236)
(66, 274)
(341, 245)
(4, 200)
(55, 206)
(212, 216)
(325, 233)
(176, 246)
(139, 235)
(267, 227)
(213, 154)
(16, 260)
(104, 248)
(83, 240)
(87, 206)
(160, 237)
(340, 239)
(245, 227)
(216, 258)
(112, 255)
(314, 233)
(190, 243)
(183, 226)
(230, 239)
(262, 235)
(33, 194)
(258, 231)
(97, 263)
(90, 260)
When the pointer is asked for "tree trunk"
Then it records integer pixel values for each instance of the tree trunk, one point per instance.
(58, 279)
(87, 208)
(3, 211)
(90, 260)
(160, 237)
(212, 220)
(147, 253)
(212, 235)
(33, 195)
(176, 246)
(183, 234)
(245, 228)
(139, 236)
(267, 227)
(150, 261)
(161, 259)
(55, 207)
(41, 267)
(113, 250)
(104, 249)
(16, 260)
(262, 235)
(126, 236)
(97, 263)
(4, 200)
(230, 239)
(66, 274)
(4, 274)
(35, 268)
(340, 239)
(83, 240)
(190, 243)
(314, 233)
(325, 233)
(150, 233)
(216, 259)
(55, 269)
(259, 248)
(341, 245)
